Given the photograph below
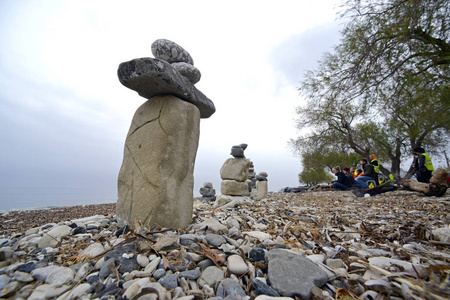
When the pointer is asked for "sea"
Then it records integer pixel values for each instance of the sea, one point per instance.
(27, 198)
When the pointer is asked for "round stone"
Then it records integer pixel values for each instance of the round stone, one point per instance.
(208, 185)
(160, 273)
(237, 265)
(189, 71)
(171, 52)
(142, 260)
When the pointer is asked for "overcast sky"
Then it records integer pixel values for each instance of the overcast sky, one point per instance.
(64, 115)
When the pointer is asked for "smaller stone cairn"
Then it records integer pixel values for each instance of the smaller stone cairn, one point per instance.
(234, 174)
(208, 192)
(261, 185)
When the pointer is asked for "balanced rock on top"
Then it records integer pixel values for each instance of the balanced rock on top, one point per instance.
(171, 52)
(179, 58)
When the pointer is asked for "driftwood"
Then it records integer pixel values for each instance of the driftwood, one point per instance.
(437, 187)
(376, 190)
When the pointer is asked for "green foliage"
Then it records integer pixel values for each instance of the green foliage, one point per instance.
(314, 176)
(386, 87)
(318, 163)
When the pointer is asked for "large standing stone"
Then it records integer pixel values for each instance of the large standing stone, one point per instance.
(292, 274)
(235, 169)
(156, 179)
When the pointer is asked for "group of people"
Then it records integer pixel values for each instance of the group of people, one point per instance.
(357, 178)
(369, 173)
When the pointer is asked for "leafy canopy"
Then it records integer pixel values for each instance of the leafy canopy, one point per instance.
(385, 87)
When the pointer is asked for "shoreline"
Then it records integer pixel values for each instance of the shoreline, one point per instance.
(15, 221)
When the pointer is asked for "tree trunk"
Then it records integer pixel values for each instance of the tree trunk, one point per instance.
(395, 167)
(376, 190)
(410, 172)
(437, 186)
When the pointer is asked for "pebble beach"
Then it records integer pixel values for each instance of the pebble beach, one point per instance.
(312, 245)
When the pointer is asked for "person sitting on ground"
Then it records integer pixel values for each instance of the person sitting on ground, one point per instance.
(424, 166)
(348, 174)
(342, 183)
(359, 172)
(351, 179)
(369, 174)
(353, 171)
(376, 166)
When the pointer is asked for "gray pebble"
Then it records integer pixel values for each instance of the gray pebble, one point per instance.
(191, 274)
(215, 239)
(160, 273)
(230, 287)
(170, 282)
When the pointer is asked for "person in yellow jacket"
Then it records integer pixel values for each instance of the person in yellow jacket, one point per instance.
(424, 166)
(376, 166)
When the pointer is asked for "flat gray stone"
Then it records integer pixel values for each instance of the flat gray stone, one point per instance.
(170, 282)
(292, 274)
(191, 274)
(60, 276)
(60, 231)
(151, 77)
(210, 275)
(42, 273)
(215, 240)
(80, 291)
(230, 288)
(23, 277)
(4, 280)
(93, 250)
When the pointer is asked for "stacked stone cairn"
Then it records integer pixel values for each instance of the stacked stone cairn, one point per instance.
(257, 184)
(208, 192)
(234, 175)
(156, 181)
(261, 186)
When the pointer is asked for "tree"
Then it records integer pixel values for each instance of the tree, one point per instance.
(318, 163)
(389, 41)
(385, 88)
(312, 177)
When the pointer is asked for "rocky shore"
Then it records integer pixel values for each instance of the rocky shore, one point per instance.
(321, 245)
